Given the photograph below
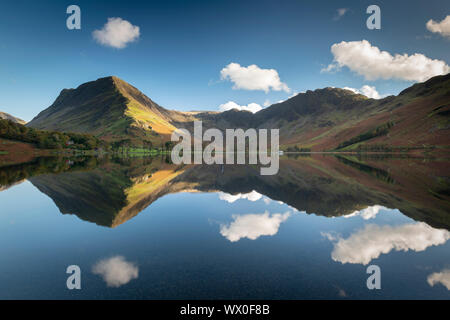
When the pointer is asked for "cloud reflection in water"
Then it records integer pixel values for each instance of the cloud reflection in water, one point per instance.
(252, 226)
(370, 242)
(116, 271)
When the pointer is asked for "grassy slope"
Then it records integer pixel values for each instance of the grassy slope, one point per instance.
(95, 107)
(323, 119)
(420, 114)
(148, 120)
(108, 108)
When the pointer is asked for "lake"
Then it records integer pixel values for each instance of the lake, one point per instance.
(144, 228)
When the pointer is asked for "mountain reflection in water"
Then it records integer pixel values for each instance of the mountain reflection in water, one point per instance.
(109, 192)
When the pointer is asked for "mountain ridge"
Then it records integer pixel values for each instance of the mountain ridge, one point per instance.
(7, 116)
(319, 120)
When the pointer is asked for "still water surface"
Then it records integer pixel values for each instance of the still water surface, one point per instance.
(143, 228)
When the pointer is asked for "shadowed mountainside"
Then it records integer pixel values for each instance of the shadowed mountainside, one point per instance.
(112, 193)
(109, 108)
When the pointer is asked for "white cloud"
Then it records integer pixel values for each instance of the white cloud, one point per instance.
(373, 240)
(340, 13)
(253, 78)
(443, 27)
(116, 271)
(230, 198)
(368, 91)
(116, 33)
(331, 68)
(252, 107)
(252, 226)
(330, 236)
(367, 213)
(353, 90)
(442, 277)
(372, 63)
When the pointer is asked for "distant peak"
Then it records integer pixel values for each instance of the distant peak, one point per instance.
(331, 92)
(7, 116)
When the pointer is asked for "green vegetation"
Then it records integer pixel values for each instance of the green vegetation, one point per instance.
(297, 149)
(49, 139)
(386, 148)
(321, 120)
(139, 151)
(298, 155)
(77, 142)
(13, 173)
(109, 109)
(380, 130)
(377, 173)
(128, 146)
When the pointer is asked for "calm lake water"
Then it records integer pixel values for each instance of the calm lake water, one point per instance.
(143, 228)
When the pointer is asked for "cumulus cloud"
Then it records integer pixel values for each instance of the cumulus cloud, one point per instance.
(116, 33)
(368, 91)
(442, 277)
(330, 236)
(252, 107)
(340, 13)
(367, 213)
(116, 271)
(253, 78)
(373, 240)
(372, 63)
(331, 68)
(443, 27)
(252, 226)
(230, 198)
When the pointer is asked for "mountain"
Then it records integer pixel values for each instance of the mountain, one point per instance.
(109, 108)
(329, 119)
(6, 116)
(319, 120)
(337, 119)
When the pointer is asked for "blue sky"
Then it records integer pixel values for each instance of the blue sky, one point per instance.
(183, 45)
